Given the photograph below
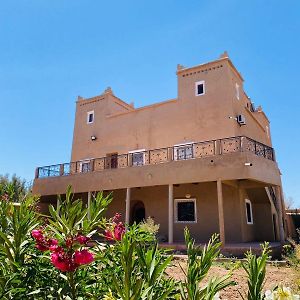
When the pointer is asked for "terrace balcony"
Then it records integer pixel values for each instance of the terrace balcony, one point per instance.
(158, 156)
(228, 158)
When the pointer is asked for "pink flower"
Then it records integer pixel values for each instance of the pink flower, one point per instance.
(69, 242)
(81, 239)
(116, 217)
(83, 257)
(52, 244)
(108, 235)
(37, 234)
(63, 262)
(42, 247)
(119, 231)
(58, 260)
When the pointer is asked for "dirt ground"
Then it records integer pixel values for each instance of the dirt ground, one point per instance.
(275, 275)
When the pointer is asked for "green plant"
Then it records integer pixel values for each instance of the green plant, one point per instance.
(140, 269)
(255, 268)
(198, 265)
(16, 223)
(148, 225)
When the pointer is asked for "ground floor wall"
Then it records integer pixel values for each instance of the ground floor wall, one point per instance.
(153, 202)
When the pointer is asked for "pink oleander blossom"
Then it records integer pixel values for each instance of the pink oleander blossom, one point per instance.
(83, 257)
(37, 234)
(81, 239)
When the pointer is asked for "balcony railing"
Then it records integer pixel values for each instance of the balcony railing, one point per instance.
(161, 155)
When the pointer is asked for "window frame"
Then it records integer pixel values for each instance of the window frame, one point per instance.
(138, 151)
(88, 117)
(196, 87)
(180, 200)
(247, 201)
(82, 162)
(175, 147)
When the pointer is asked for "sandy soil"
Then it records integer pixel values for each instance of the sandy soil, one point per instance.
(275, 275)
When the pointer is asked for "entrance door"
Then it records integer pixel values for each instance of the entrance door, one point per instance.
(138, 213)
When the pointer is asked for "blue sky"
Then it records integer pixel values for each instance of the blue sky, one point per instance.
(53, 51)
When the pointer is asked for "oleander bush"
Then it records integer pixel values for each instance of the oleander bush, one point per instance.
(77, 253)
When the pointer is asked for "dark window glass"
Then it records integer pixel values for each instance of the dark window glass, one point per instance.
(200, 89)
(91, 118)
(85, 167)
(185, 152)
(186, 211)
(248, 210)
(137, 159)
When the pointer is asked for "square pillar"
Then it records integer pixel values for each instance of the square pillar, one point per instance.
(280, 213)
(171, 214)
(127, 206)
(221, 212)
(89, 205)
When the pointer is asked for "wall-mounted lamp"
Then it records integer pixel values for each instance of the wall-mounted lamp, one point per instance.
(248, 164)
(188, 196)
(93, 138)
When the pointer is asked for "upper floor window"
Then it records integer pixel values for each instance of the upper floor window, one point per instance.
(199, 88)
(185, 211)
(90, 117)
(184, 151)
(85, 166)
(249, 214)
(237, 91)
(138, 157)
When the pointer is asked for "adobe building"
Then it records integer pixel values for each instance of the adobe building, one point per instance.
(203, 160)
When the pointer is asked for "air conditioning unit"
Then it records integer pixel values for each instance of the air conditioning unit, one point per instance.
(241, 120)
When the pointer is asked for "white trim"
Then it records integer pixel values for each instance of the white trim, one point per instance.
(88, 117)
(237, 91)
(251, 213)
(184, 144)
(176, 209)
(196, 88)
(138, 150)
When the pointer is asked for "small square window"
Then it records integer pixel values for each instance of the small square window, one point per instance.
(90, 117)
(199, 88)
(185, 211)
(85, 166)
(249, 214)
(182, 152)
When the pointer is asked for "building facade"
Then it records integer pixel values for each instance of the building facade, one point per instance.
(203, 160)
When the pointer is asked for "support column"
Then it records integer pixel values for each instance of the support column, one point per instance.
(89, 205)
(127, 206)
(280, 213)
(221, 212)
(171, 214)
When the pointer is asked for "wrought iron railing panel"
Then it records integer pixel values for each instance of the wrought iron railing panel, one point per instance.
(203, 149)
(230, 145)
(162, 155)
(158, 156)
(99, 164)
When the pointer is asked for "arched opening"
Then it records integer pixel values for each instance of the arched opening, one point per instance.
(138, 213)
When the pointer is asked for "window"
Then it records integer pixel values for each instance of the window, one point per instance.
(185, 211)
(112, 161)
(199, 88)
(138, 157)
(183, 151)
(237, 91)
(90, 117)
(85, 166)
(249, 215)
